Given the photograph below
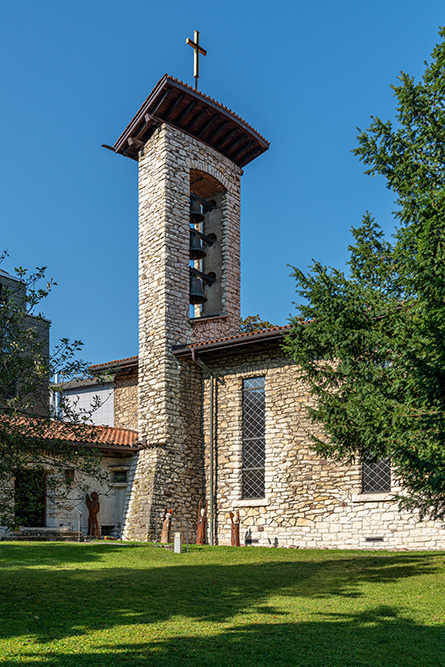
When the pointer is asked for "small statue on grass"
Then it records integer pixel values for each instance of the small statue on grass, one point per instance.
(234, 534)
(202, 524)
(93, 505)
(166, 524)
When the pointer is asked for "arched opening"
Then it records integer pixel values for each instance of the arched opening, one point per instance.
(206, 242)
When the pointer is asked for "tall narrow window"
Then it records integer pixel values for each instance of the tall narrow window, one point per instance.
(376, 477)
(253, 438)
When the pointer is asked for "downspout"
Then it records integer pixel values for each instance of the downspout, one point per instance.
(212, 440)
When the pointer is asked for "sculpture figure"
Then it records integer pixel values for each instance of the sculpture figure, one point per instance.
(202, 524)
(166, 523)
(234, 534)
(93, 505)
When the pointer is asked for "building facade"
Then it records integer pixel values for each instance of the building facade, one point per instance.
(222, 415)
(209, 416)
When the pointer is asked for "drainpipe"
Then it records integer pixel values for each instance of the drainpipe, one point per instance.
(212, 439)
(56, 396)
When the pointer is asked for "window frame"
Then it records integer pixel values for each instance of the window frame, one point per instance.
(374, 469)
(253, 446)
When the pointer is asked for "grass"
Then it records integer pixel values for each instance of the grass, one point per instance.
(110, 604)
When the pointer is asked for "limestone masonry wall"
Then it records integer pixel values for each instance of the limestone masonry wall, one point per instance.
(169, 476)
(169, 470)
(309, 501)
(126, 402)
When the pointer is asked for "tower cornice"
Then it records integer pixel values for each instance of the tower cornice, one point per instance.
(176, 103)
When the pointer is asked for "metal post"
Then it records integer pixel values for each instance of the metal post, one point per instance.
(79, 516)
(211, 460)
(212, 443)
(177, 542)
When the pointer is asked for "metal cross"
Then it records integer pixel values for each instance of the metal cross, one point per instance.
(198, 50)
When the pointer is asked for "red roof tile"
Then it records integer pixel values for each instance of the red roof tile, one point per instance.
(81, 433)
(251, 334)
(222, 106)
(127, 361)
(175, 102)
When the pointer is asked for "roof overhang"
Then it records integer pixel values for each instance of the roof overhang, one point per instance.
(174, 102)
(128, 365)
(256, 341)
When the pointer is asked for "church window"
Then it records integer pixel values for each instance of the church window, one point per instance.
(254, 445)
(376, 477)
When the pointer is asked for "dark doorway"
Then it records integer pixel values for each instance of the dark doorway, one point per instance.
(29, 496)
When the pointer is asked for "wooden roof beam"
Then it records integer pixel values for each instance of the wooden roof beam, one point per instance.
(174, 105)
(163, 97)
(136, 143)
(241, 151)
(247, 158)
(217, 131)
(186, 112)
(226, 138)
(236, 143)
(194, 120)
(205, 127)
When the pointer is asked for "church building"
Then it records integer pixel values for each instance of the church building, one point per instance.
(221, 415)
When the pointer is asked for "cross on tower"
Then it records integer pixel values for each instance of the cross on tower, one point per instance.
(198, 50)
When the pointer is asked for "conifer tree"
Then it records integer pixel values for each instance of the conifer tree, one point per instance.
(371, 341)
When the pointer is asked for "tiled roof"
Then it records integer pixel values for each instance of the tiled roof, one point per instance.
(253, 335)
(81, 433)
(222, 106)
(106, 435)
(4, 274)
(127, 361)
(176, 103)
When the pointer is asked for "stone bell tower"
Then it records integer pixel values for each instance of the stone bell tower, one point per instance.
(191, 152)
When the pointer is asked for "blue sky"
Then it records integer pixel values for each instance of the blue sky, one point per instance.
(305, 75)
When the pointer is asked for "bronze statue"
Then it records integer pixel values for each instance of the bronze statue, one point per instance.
(166, 523)
(93, 505)
(234, 534)
(202, 524)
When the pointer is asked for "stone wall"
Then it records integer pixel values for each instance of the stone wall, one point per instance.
(62, 508)
(168, 390)
(63, 503)
(309, 501)
(169, 476)
(126, 402)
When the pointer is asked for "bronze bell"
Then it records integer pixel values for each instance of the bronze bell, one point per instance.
(196, 249)
(196, 290)
(196, 214)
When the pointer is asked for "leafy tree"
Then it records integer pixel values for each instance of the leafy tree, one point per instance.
(253, 323)
(32, 437)
(371, 343)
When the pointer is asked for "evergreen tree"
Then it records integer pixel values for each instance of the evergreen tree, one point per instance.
(371, 343)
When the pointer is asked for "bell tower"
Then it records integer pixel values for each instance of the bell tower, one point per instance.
(191, 152)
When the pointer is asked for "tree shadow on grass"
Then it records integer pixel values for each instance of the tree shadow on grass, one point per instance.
(27, 554)
(52, 604)
(375, 638)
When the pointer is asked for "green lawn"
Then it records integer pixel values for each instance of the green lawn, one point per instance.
(131, 604)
